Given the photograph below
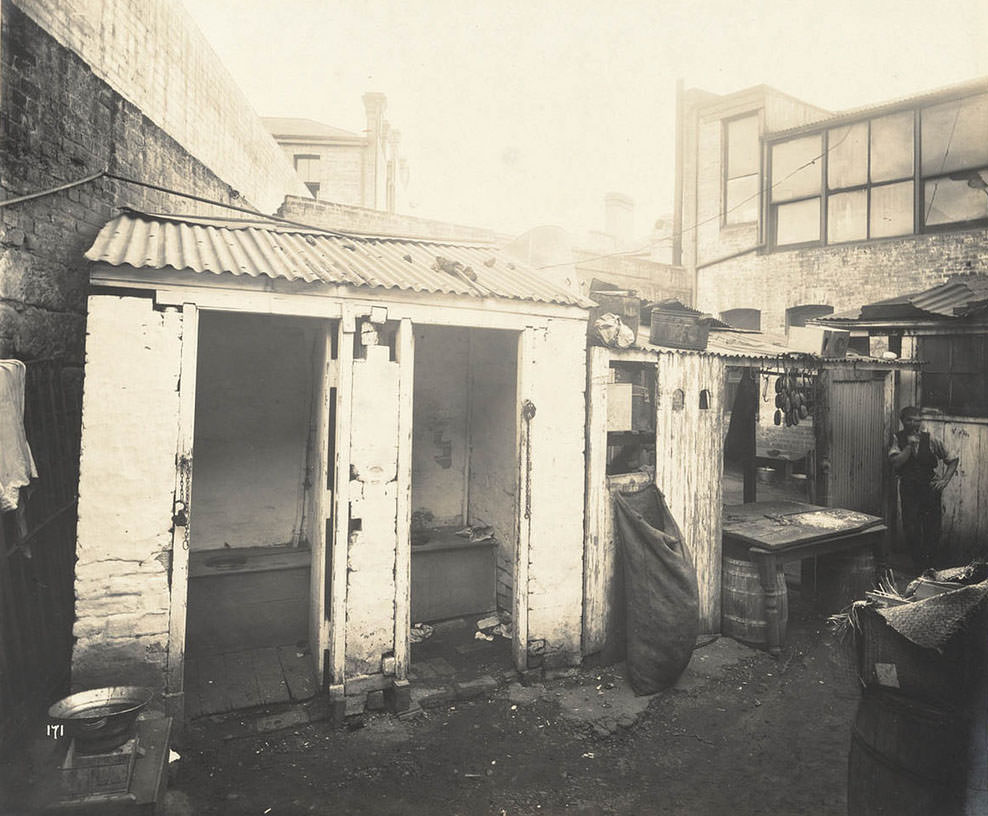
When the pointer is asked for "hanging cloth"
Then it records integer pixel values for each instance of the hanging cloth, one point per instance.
(17, 466)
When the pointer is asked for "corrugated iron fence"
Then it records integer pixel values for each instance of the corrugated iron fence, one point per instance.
(37, 556)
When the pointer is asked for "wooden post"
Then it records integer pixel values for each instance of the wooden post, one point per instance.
(340, 533)
(181, 533)
(889, 492)
(750, 438)
(322, 505)
(403, 555)
(822, 424)
(595, 612)
(526, 343)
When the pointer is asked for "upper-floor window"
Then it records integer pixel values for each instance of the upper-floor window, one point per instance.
(897, 174)
(955, 161)
(742, 165)
(307, 167)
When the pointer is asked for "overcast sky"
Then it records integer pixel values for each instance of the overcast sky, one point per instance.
(517, 113)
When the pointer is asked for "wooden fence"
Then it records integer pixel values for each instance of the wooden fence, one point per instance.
(37, 557)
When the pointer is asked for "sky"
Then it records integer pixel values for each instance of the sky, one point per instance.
(521, 113)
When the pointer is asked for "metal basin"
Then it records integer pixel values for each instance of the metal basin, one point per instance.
(101, 719)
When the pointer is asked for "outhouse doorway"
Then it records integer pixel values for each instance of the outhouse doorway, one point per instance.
(256, 448)
(464, 501)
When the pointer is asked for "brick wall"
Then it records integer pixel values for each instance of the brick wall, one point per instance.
(153, 55)
(60, 122)
(126, 483)
(844, 276)
(344, 217)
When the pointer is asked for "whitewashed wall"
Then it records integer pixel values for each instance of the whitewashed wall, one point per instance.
(371, 558)
(556, 382)
(126, 486)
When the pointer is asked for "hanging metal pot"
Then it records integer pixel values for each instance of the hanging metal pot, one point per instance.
(778, 417)
(780, 400)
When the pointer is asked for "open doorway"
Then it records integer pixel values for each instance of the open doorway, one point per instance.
(464, 500)
(249, 559)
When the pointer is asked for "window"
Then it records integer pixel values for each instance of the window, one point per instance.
(955, 377)
(869, 179)
(955, 162)
(307, 167)
(631, 418)
(799, 315)
(743, 318)
(878, 183)
(742, 164)
(796, 180)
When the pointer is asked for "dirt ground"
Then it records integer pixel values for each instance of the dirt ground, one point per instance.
(741, 734)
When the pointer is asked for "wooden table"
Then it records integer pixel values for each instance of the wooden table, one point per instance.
(772, 534)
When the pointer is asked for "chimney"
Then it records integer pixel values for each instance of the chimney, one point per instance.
(375, 104)
(619, 212)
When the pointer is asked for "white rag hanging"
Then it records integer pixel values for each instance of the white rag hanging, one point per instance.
(17, 466)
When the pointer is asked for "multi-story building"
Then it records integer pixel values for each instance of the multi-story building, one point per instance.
(786, 212)
(361, 169)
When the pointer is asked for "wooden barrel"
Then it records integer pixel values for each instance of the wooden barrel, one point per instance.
(906, 759)
(843, 578)
(743, 603)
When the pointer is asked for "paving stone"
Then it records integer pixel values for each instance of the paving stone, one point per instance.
(524, 695)
(414, 711)
(275, 722)
(422, 671)
(473, 647)
(441, 666)
(430, 696)
(466, 689)
(562, 673)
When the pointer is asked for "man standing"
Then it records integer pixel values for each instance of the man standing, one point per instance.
(915, 457)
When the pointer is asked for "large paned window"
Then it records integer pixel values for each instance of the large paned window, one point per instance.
(742, 170)
(796, 180)
(955, 375)
(955, 161)
(868, 179)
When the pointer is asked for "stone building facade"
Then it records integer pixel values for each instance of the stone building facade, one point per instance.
(359, 169)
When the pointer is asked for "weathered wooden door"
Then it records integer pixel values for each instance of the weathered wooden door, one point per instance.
(851, 433)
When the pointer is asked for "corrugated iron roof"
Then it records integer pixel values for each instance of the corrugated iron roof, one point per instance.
(256, 248)
(959, 296)
(740, 344)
